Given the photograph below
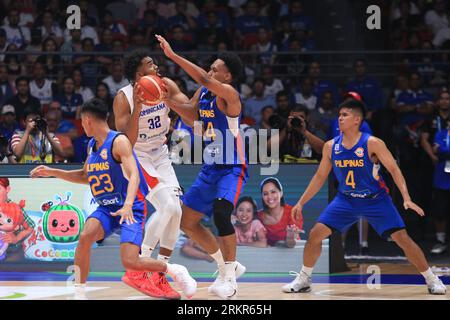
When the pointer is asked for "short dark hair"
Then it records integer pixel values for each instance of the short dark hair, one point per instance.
(96, 107)
(133, 61)
(22, 78)
(282, 93)
(300, 108)
(252, 202)
(233, 63)
(354, 104)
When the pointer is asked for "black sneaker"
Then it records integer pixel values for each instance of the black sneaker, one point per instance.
(439, 248)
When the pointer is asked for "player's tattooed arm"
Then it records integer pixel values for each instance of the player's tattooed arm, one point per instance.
(125, 120)
(378, 148)
(180, 103)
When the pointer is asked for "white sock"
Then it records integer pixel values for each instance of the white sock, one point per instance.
(440, 236)
(163, 258)
(364, 244)
(307, 271)
(428, 274)
(146, 251)
(219, 258)
(80, 288)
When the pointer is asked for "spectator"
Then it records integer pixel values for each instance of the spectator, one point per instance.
(320, 119)
(50, 28)
(85, 92)
(52, 62)
(272, 85)
(276, 215)
(247, 25)
(295, 140)
(102, 92)
(26, 18)
(118, 30)
(122, 10)
(442, 36)
(321, 85)
(3, 44)
(70, 101)
(91, 12)
(65, 127)
(254, 105)
(80, 146)
(23, 100)
(401, 87)
(42, 87)
(265, 48)
(14, 62)
(179, 40)
(53, 118)
(300, 21)
(105, 45)
(35, 144)
(6, 156)
(283, 104)
(441, 187)
(217, 22)
(18, 35)
(366, 86)
(87, 62)
(86, 31)
(7, 89)
(436, 18)
(9, 122)
(283, 33)
(116, 80)
(137, 40)
(182, 17)
(249, 229)
(266, 113)
(305, 96)
(71, 46)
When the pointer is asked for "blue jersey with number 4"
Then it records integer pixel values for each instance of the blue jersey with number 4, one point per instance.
(357, 175)
(106, 177)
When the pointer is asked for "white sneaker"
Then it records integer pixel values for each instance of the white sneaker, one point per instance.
(80, 293)
(435, 286)
(240, 270)
(182, 279)
(301, 283)
(227, 288)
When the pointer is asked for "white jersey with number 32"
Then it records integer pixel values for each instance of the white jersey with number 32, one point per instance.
(154, 123)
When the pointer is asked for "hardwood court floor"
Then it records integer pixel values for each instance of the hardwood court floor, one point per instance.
(397, 282)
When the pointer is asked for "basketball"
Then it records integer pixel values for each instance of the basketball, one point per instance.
(152, 88)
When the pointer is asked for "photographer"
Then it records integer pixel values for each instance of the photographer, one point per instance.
(35, 144)
(295, 140)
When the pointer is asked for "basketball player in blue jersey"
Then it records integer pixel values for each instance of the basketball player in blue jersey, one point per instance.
(355, 158)
(215, 192)
(118, 186)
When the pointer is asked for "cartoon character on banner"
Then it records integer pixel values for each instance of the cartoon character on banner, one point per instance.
(11, 218)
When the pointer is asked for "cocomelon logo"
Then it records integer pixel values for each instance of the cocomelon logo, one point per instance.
(62, 222)
(58, 254)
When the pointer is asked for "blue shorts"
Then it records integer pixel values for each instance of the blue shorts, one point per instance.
(380, 212)
(133, 233)
(214, 182)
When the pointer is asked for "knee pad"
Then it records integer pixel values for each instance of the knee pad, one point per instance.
(222, 210)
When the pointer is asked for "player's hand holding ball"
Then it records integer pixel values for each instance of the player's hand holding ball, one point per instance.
(150, 90)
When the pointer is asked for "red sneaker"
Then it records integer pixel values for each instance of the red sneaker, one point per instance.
(143, 283)
(159, 279)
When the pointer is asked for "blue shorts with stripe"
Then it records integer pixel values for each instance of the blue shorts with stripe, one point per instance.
(380, 212)
(214, 182)
(133, 233)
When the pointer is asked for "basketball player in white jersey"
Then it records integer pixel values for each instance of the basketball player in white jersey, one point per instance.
(146, 126)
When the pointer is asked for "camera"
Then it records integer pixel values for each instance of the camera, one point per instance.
(296, 122)
(41, 124)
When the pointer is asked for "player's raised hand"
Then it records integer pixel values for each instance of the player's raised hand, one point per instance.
(138, 98)
(411, 205)
(126, 214)
(165, 46)
(297, 212)
(41, 172)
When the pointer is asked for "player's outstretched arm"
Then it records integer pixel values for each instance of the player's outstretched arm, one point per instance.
(317, 181)
(74, 176)
(378, 147)
(180, 103)
(125, 120)
(123, 152)
(223, 90)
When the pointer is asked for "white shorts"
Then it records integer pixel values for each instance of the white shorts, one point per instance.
(158, 170)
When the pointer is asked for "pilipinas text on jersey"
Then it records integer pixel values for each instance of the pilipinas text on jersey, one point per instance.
(106, 178)
(222, 136)
(357, 175)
